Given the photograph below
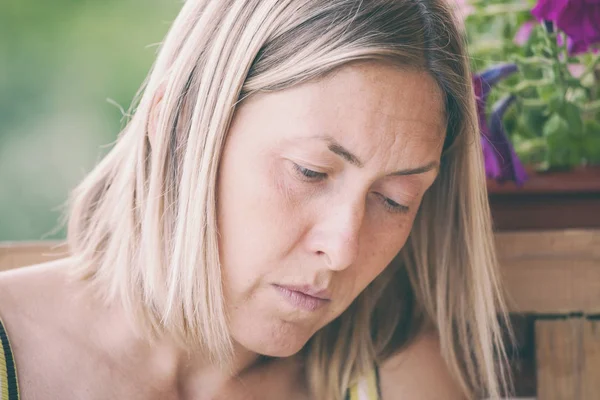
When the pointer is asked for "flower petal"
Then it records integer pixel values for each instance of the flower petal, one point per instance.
(571, 19)
(579, 19)
(511, 167)
(576, 70)
(490, 159)
(523, 33)
(493, 75)
(548, 9)
(577, 47)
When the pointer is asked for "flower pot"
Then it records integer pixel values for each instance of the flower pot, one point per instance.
(548, 200)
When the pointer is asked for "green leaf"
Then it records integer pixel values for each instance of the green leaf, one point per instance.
(531, 151)
(591, 147)
(547, 93)
(590, 143)
(572, 113)
(578, 95)
(556, 126)
(556, 132)
(592, 127)
(574, 153)
(555, 103)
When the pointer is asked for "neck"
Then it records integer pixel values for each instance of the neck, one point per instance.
(190, 363)
(169, 371)
(195, 376)
(172, 369)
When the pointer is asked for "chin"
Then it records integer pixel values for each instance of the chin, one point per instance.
(274, 341)
(280, 352)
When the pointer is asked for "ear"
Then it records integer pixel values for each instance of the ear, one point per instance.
(154, 114)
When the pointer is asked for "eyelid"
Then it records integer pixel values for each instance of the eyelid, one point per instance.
(399, 209)
(300, 170)
(322, 165)
(304, 172)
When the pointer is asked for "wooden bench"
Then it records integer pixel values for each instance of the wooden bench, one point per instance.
(551, 277)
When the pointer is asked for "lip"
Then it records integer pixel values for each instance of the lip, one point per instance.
(305, 297)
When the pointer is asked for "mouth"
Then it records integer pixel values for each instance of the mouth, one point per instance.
(304, 297)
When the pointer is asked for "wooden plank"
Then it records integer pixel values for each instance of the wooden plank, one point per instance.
(577, 180)
(552, 286)
(560, 243)
(545, 212)
(549, 200)
(568, 359)
(18, 254)
(591, 351)
(559, 359)
(551, 272)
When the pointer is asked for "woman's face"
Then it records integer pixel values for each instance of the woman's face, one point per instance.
(318, 189)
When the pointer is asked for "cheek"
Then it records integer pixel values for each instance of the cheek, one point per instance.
(379, 245)
(249, 204)
(257, 221)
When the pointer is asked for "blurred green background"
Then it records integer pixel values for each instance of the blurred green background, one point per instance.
(66, 68)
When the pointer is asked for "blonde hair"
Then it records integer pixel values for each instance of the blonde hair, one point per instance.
(143, 228)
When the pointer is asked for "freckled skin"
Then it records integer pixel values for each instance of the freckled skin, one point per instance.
(277, 226)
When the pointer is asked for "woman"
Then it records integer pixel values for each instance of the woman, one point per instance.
(297, 209)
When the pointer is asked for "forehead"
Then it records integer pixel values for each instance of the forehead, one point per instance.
(362, 101)
(383, 91)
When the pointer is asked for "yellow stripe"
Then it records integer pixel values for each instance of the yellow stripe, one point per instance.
(3, 374)
(354, 392)
(372, 381)
(365, 388)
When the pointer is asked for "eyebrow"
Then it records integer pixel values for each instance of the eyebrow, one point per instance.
(341, 151)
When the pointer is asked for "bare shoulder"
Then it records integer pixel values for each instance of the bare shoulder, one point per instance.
(33, 289)
(45, 317)
(418, 372)
(37, 303)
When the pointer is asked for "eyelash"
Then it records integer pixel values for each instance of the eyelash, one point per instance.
(310, 175)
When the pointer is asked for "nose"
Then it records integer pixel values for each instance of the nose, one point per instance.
(336, 237)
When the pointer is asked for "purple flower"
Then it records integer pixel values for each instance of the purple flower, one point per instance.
(576, 70)
(523, 33)
(509, 166)
(501, 161)
(579, 19)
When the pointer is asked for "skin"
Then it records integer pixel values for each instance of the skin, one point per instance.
(335, 231)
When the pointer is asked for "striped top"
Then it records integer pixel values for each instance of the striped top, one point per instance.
(366, 389)
(9, 388)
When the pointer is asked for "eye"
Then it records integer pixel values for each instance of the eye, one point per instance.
(308, 174)
(393, 207)
(314, 176)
